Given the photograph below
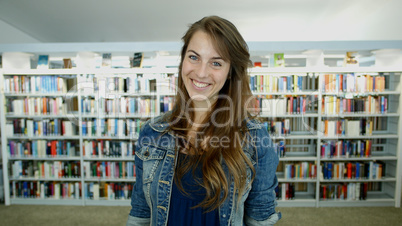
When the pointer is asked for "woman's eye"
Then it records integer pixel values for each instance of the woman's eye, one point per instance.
(216, 64)
(192, 57)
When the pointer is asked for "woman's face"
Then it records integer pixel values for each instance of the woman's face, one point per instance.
(204, 72)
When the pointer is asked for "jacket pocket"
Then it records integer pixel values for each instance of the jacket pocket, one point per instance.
(151, 157)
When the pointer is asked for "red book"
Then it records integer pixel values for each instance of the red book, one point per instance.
(53, 150)
(345, 191)
(349, 170)
(98, 171)
(324, 192)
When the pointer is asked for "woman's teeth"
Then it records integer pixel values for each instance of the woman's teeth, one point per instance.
(200, 85)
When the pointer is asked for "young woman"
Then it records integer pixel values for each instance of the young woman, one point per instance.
(207, 162)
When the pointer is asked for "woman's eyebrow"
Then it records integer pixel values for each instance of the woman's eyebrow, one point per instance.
(214, 58)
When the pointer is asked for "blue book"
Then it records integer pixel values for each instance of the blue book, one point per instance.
(357, 174)
(330, 166)
(43, 62)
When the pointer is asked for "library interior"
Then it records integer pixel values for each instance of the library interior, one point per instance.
(79, 79)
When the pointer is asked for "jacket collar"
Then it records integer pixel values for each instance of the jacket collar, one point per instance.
(160, 123)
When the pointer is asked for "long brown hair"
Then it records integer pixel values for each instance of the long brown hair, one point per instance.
(230, 124)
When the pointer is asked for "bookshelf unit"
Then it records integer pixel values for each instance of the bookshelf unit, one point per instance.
(305, 146)
(101, 99)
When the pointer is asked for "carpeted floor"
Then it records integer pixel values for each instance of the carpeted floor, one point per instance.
(117, 215)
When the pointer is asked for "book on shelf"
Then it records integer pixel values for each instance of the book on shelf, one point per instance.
(106, 148)
(279, 60)
(290, 83)
(43, 62)
(45, 190)
(45, 169)
(347, 127)
(45, 127)
(106, 60)
(108, 191)
(137, 59)
(301, 170)
(42, 148)
(67, 63)
(353, 170)
(36, 106)
(285, 191)
(109, 170)
(344, 191)
(35, 84)
(346, 148)
(351, 82)
(333, 105)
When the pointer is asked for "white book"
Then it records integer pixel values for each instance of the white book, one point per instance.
(96, 191)
(77, 190)
(42, 191)
(57, 191)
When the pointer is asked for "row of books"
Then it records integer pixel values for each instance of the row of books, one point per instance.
(36, 106)
(43, 190)
(280, 148)
(278, 127)
(139, 83)
(285, 191)
(106, 148)
(35, 84)
(291, 83)
(42, 148)
(123, 105)
(353, 83)
(345, 191)
(109, 170)
(111, 127)
(332, 105)
(346, 148)
(46, 169)
(108, 191)
(301, 170)
(348, 127)
(287, 105)
(41, 127)
(353, 170)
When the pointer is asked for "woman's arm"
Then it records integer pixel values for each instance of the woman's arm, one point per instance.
(140, 212)
(261, 202)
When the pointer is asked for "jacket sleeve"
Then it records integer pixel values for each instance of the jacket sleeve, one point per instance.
(261, 202)
(140, 211)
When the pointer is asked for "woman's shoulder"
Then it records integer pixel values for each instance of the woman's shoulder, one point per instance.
(157, 123)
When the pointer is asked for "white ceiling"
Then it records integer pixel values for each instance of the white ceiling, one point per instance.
(167, 20)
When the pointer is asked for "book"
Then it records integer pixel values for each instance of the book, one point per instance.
(137, 60)
(67, 63)
(43, 62)
(279, 60)
(106, 60)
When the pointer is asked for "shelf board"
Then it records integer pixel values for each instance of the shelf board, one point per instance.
(69, 95)
(96, 179)
(347, 115)
(288, 137)
(385, 179)
(105, 202)
(62, 115)
(358, 94)
(116, 115)
(287, 93)
(297, 180)
(135, 137)
(49, 137)
(322, 69)
(377, 136)
(109, 158)
(371, 158)
(98, 71)
(46, 201)
(49, 158)
(307, 115)
(298, 158)
(44, 179)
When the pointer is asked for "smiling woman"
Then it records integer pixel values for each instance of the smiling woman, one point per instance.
(207, 162)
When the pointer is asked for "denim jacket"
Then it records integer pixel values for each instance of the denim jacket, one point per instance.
(155, 163)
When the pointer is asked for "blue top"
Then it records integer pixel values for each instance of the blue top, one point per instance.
(181, 211)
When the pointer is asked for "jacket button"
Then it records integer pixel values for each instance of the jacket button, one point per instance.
(146, 153)
(224, 215)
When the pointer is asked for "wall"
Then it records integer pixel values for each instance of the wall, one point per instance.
(9, 34)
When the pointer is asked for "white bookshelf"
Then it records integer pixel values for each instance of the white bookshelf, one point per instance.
(388, 195)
